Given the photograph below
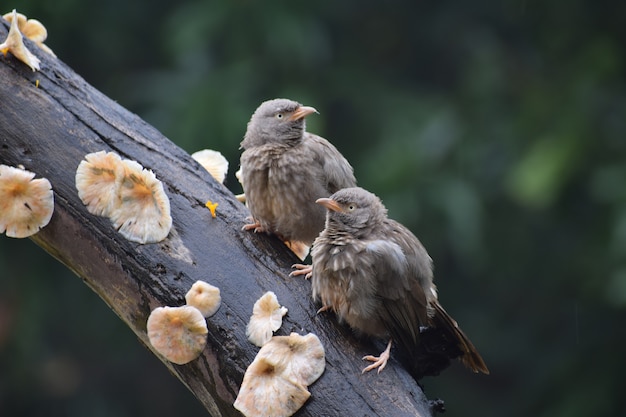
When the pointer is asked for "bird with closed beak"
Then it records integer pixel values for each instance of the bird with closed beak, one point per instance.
(284, 169)
(377, 277)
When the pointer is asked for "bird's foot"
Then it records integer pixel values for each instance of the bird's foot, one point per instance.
(322, 309)
(255, 225)
(301, 269)
(379, 361)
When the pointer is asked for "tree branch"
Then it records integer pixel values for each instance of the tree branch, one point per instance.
(50, 128)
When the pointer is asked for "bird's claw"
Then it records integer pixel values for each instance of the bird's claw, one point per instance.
(379, 361)
(301, 269)
(255, 226)
(322, 309)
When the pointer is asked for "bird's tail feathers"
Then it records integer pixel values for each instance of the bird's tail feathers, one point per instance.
(470, 357)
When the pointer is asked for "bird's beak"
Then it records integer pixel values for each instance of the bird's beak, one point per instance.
(301, 112)
(330, 204)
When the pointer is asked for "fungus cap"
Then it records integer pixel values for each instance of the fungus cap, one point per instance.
(267, 317)
(177, 333)
(205, 297)
(302, 357)
(26, 205)
(214, 162)
(141, 210)
(265, 392)
(96, 181)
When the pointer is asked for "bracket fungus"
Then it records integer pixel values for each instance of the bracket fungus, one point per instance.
(177, 333)
(275, 384)
(26, 205)
(14, 43)
(127, 193)
(205, 297)
(267, 317)
(214, 162)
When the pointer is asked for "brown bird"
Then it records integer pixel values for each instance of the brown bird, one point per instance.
(376, 276)
(284, 169)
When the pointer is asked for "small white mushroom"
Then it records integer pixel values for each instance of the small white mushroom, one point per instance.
(265, 392)
(267, 317)
(214, 162)
(205, 297)
(275, 383)
(14, 43)
(303, 356)
(141, 211)
(96, 181)
(177, 333)
(26, 205)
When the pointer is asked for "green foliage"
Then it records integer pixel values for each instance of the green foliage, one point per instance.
(496, 132)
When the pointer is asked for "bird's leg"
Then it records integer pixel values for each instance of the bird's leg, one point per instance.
(301, 269)
(379, 361)
(255, 225)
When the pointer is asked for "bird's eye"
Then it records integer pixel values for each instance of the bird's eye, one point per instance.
(279, 115)
(351, 207)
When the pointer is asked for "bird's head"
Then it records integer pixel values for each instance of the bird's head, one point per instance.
(276, 121)
(354, 210)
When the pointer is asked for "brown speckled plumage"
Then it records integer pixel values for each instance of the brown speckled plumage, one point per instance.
(285, 169)
(376, 275)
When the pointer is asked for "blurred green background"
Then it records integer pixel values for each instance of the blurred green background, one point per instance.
(494, 130)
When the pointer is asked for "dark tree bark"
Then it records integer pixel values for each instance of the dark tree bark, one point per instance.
(49, 128)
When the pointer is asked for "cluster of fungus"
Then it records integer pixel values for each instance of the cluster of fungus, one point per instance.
(127, 193)
(179, 334)
(14, 43)
(26, 204)
(275, 384)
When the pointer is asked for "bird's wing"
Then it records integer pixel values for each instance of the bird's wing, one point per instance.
(337, 171)
(419, 262)
(403, 301)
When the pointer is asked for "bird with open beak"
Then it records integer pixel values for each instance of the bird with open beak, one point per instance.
(284, 169)
(377, 277)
